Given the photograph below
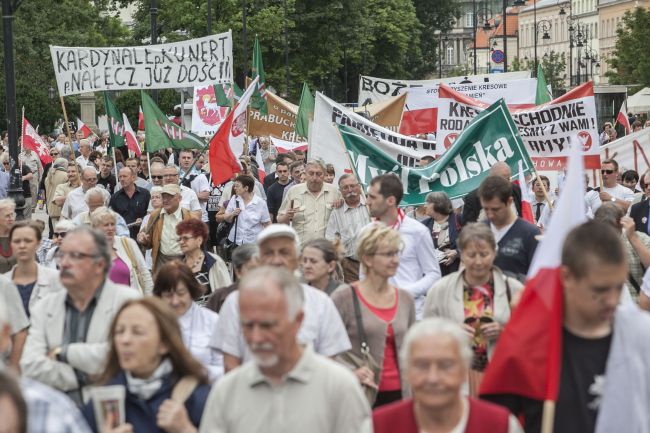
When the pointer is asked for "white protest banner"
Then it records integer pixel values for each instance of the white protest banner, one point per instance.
(207, 115)
(545, 129)
(206, 60)
(325, 140)
(632, 152)
(420, 113)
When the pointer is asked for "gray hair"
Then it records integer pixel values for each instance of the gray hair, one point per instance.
(8, 203)
(174, 167)
(65, 225)
(609, 214)
(431, 327)
(84, 142)
(100, 215)
(344, 176)
(243, 254)
(65, 152)
(88, 169)
(441, 203)
(316, 162)
(476, 232)
(94, 191)
(102, 248)
(258, 280)
(60, 163)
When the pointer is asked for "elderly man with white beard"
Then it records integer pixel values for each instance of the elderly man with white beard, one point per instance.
(346, 221)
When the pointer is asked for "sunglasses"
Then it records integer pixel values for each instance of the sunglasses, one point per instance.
(607, 171)
(59, 234)
(54, 154)
(156, 177)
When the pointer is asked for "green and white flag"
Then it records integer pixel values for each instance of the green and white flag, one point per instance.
(491, 137)
(115, 123)
(305, 111)
(162, 132)
(258, 101)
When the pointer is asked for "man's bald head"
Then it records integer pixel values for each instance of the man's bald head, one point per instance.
(501, 169)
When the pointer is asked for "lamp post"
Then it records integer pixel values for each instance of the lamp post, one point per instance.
(544, 26)
(504, 15)
(244, 41)
(486, 27)
(286, 50)
(209, 17)
(15, 190)
(571, 27)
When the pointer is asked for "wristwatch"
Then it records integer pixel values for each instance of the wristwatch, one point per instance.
(614, 199)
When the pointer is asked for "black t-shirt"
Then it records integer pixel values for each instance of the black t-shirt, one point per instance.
(582, 382)
(27, 192)
(269, 180)
(274, 198)
(108, 182)
(516, 249)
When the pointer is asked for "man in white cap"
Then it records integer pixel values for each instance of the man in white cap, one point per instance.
(322, 326)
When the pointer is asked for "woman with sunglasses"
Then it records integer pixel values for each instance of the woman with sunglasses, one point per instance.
(386, 313)
(60, 229)
(33, 280)
(477, 297)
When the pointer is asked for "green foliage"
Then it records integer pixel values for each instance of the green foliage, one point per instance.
(36, 25)
(554, 66)
(630, 63)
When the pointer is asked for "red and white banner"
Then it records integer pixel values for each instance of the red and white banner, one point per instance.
(87, 132)
(545, 129)
(33, 141)
(622, 119)
(420, 109)
(284, 146)
(207, 115)
(632, 152)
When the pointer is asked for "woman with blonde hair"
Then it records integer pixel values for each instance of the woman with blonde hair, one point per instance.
(147, 357)
(477, 297)
(128, 266)
(376, 316)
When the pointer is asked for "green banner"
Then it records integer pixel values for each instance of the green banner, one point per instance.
(491, 137)
(115, 123)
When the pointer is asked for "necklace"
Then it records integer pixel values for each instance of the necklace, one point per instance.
(198, 261)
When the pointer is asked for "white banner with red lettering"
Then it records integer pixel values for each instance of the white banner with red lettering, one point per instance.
(632, 152)
(545, 129)
(420, 109)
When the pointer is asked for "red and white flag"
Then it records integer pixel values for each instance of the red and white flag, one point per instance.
(621, 118)
(261, 171)
(526, 199)
(130, 138)
(87, 132)
(527, 359)
(140, 119)
(227, 145)
(33, 141)
(284, 146)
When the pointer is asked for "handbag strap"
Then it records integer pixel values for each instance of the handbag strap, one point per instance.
(184, 388)
(357, 315)
(131, 256)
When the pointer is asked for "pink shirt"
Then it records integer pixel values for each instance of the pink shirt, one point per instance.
(120, 273)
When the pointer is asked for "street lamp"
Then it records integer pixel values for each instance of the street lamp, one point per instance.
(51, 93)
(486, 27)
(563, 6)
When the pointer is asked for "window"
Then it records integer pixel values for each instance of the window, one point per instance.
(469, 19)
(450, 56)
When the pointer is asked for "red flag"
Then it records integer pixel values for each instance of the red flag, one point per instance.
(140, 119)
(130, 138)
(261, 172)
(223, 163)
(87, 132)
(526, 199)
(528, 356)
(33, 141)
(621, 118)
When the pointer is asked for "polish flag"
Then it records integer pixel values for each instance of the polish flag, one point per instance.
(33, 141)
(621, 118)
(527, 359)
(261, 172)
(284, 146)
(526, 199)
(227, 145)
(140, 119)
(130, 138)
(87, 132)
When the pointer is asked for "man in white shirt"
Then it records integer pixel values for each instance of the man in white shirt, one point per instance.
(75, 202)
(189, 200)
(418, 268)
(322, 326)
(612, 190)
(195, 180)
(84, 149)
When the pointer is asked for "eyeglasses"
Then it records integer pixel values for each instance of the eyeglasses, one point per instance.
(59, 234)
(178, 292)
(170, 175)
(157, 177)
(5, 163)
(184, 238)
(74, 256)
(607, 171)
(54, 154)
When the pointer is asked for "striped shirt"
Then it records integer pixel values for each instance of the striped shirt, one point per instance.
(345, 223)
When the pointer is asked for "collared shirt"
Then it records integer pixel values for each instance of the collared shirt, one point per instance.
(82, 161)
(32, 161)
(310, 221)
(189, 199)
(131, 208)
(250, 220)
(345, 223)
(199, 183)
(77, 322)
(246, 401)
(168, 240)
(322, 326)
(197, 325)
(75, 203)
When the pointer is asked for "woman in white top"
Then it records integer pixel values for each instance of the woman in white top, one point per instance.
(128, 266)
(175, 284)
(251, 212)
(33, 280)
(60, 229)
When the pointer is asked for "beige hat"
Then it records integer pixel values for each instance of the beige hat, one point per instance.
(171, 189)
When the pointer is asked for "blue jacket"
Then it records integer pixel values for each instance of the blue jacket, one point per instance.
(142, 414)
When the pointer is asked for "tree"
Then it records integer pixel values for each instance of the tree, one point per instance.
(434, 15)
(630, 62)
(554, 67)
(38, 24)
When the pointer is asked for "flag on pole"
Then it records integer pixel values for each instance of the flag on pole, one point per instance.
(228, 143)
(33, 141)
(115, 123)
(140, 119)
(87, 132)
(261, 171)
(528, 358)
(543, 95)
(220, 95)
(526, 199)
(621, 118)
(130, 138)
(259, 97)
(162, 132)
(305, 111)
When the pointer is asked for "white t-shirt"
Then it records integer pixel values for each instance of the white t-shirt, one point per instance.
(620, 192)
(189, 200)
(322, 327)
